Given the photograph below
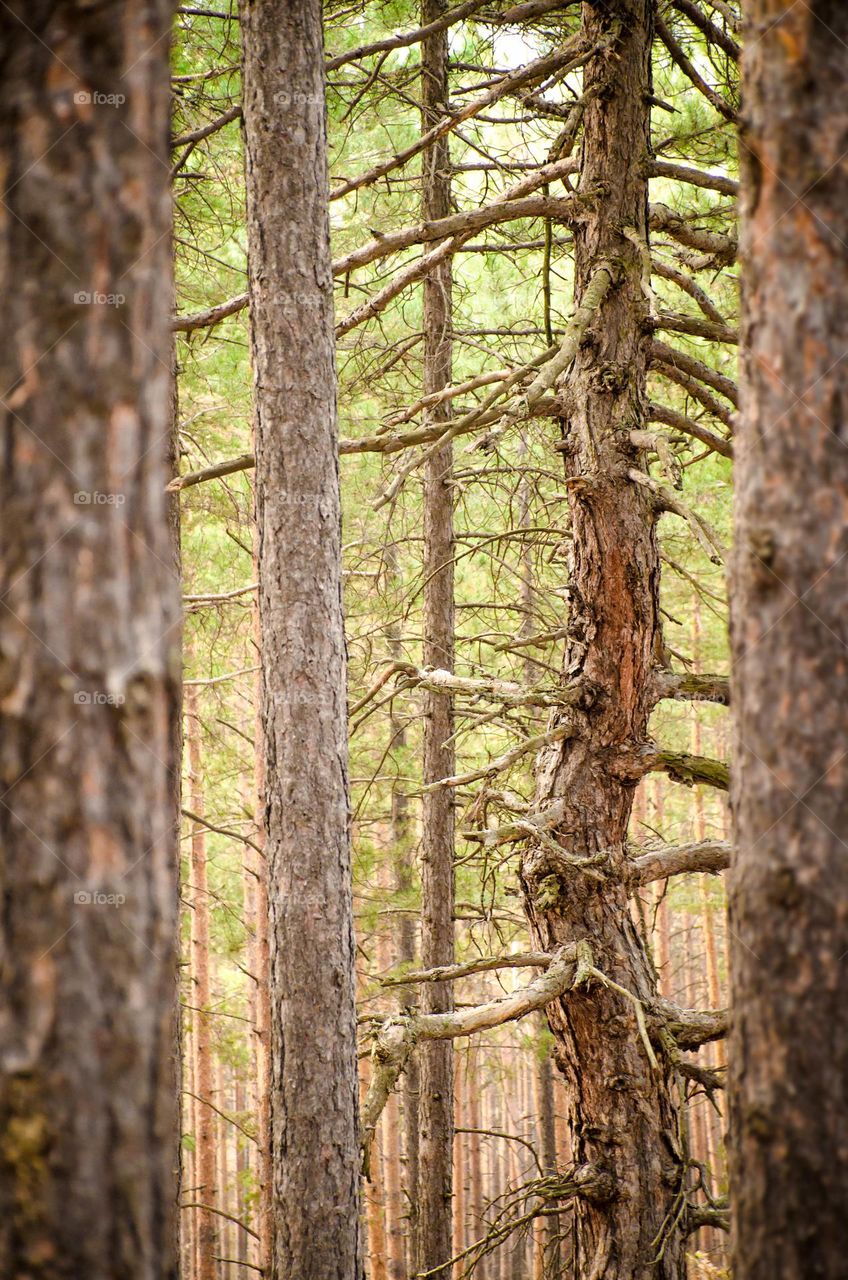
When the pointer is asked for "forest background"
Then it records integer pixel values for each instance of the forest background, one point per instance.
(511, 299)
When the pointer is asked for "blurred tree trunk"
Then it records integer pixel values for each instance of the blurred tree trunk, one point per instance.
(206, 1192)
(475, 1156)
(621, 1109)
(375, 1206)
(789, 886)
(89, 639)
(256, 904)
(242, 1170)
(313, 1092)
(435, 1110)
(404, 883)
(459, 1163)
(546, 1126)
(395, 1215)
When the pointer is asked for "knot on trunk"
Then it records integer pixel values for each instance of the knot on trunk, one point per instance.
(593, 1183)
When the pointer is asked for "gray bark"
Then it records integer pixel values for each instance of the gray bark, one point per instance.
(314, 1138)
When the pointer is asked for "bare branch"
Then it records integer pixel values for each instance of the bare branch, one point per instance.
(715, 99)
(686, 687)
(660, 353)
(714, 34)
(709, 856)
(720, 247)
(671, 418)
(213, 315)
(484, 964)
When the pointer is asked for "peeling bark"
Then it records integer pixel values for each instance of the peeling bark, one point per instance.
(621, 1108)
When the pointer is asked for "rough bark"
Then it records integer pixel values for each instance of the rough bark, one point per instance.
(89, 644)
(621, 1110)
(789, 878)
(314, 1106)
(433, 1232)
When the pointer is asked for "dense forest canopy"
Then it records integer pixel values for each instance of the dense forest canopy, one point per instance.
(443, 421)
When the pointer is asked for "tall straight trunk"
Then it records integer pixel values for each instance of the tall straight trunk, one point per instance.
(242, 1170)
(188, 1225)
(394, 1190)
(222, 1151)
(404, 880)
(433, 1218)
(256, 913)
(314, 1088)
(621, 1110)
(711, 998)
(459, 1163)
(206, 1193)
(546, 1145)
(789, 885)
(375, 1207)
(475, 1158)
(90, 648)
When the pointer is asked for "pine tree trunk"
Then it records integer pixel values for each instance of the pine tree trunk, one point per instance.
(404, 880)
(459, 1162)
(256, 904)
(789, 885)
(475, 1157)
(205, 1130)
(375, 1203)
(314, 1102)
(544, 1098)
(394, 1190)
(89, 641)
(242, 1170)
(621, 1110)
(435, 1111)
(222, 1144)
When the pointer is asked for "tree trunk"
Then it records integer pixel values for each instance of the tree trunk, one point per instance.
(205, 1130)
(394, 1190)
(404, 883)
(433, 1217)
(459, 1163)
(546, 1121)
(90, 648)
(256, 904)
(621, 1111)
(375, 1205)
(789, 886)
(242, 1171)
(475, 1157)
(314, 1103)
